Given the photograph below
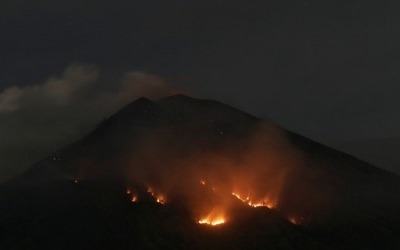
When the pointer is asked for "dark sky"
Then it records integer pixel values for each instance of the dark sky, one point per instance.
(326, 69)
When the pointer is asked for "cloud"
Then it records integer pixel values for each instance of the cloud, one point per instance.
(38, 119)
(9, 99)
(57, 91)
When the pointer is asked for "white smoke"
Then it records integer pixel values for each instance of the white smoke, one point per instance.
(38, 119)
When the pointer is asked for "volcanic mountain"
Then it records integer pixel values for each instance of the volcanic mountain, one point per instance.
(185, 173)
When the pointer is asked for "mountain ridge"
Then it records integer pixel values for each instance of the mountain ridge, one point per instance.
(319, 195)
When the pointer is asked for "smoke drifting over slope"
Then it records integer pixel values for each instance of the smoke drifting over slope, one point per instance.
(38, 118)
(171, 168)
(207, 157)
(254, 167)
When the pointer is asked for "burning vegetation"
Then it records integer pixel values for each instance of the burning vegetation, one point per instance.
(266, 202)
(160, 198)
(204, 180)
(213, 174)
(132, 195)
(214, 218)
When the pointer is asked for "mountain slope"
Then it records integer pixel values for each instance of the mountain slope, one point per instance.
(383, 151)
(182, 160)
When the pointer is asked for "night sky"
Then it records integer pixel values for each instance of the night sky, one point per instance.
(328, 70)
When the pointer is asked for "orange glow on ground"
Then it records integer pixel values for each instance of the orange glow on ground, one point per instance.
(212, 222)
(214, 218)
(296, 220)
(264, 203)
(160, 198)
(134, 198)
(293, 220)
(240, 198)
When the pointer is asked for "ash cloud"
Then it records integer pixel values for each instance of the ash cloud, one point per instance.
(37, 119)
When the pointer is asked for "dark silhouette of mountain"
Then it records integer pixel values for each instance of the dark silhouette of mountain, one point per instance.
(144, 178)
(381, 152)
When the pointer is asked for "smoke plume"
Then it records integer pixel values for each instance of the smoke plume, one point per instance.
(38, 118)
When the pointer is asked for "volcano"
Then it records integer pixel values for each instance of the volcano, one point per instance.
(185, 173)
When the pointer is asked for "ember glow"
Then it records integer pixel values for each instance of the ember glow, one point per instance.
(160, 198)
(214, 218)
(240, 198)
(263, 203)
(254, 170)
(132, 195)
(134, 198)
(296, 220)
(212, 222)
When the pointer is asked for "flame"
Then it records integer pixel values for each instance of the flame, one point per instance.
(134, 198)
(240, 198)
(160, 198)
(76, 181)
(212, 222)
(295, 220)
(263, 203)
(214, 218)
(202, 182)
(132, 194)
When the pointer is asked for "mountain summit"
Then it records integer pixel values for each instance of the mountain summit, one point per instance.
(185, 173)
